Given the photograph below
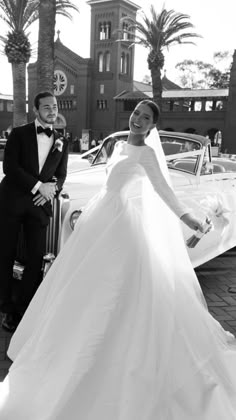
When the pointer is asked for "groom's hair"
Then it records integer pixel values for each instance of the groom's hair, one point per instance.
(41, 95)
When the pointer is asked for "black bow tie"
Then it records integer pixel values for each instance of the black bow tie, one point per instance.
(46, 130)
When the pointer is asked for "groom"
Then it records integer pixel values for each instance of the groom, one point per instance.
(35, 167)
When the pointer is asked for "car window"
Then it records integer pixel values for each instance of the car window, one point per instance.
(173, 145)
(188, 164)
(107, 148)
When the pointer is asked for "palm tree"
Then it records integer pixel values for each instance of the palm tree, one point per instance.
(47, 20)
(163, 30)
(18, 16)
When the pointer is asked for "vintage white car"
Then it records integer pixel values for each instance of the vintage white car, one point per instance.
(205, 184)
(77, 161)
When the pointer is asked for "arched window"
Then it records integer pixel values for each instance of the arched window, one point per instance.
(107, 61)
(101, 104)
(122, 62)
(104, 30)
(211, 133)
(60, 122)
(125, 29)
(101, 31)
(198, 106)
(127, 64)
(100, 62)
(108, 30)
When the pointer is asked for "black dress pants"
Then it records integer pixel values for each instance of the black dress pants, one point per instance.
(35, 239)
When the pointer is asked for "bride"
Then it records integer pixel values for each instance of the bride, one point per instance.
(119, 328)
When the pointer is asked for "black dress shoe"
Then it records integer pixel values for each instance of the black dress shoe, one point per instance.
(9, 322)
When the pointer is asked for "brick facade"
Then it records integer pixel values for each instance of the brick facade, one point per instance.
(96, 94)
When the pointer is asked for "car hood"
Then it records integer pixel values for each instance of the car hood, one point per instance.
(86, 182)
(83, 184)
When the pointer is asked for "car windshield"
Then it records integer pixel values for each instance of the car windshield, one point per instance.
(181, 146)
(107, 148)
(171, 145)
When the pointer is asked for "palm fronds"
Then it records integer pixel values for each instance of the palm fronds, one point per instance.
(160, 30)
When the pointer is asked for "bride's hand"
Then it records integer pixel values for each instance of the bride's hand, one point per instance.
(193, 223)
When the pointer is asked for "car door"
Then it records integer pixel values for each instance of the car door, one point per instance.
(217, 199)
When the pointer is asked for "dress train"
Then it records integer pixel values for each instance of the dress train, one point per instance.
(119, 328)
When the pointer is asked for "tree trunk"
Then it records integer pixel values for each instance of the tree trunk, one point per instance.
(157, 88)
(19, 89)
(45, 63)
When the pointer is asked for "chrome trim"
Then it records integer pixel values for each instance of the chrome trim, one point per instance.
(47, 262)
(74, 218)
(18, 271)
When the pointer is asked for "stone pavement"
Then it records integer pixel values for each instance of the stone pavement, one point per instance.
(215, 277)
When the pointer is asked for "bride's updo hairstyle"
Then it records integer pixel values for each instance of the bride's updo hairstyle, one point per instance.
(154, 107)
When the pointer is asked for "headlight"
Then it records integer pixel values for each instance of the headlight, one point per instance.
(74, 217)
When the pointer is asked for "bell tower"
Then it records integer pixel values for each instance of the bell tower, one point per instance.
(113, 60)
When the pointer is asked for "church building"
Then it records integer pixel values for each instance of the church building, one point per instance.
(86, 87)
(97, 94)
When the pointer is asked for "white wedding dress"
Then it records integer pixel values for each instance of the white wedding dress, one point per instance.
(119, 328)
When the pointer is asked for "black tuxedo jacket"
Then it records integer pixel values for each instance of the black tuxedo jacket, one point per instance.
(21, 166)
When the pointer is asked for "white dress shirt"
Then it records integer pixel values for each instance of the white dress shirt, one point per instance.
(44, 145)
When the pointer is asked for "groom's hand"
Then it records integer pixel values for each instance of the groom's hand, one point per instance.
(39, 200)
(47, 190)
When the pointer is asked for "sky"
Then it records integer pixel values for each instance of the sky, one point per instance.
(214, 20)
